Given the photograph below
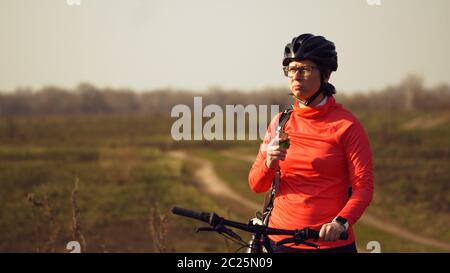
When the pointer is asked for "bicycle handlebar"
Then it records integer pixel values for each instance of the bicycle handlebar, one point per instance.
(202, 216)
(219, 224)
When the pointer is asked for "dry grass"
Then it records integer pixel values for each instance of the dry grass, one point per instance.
(120, 162)
(77, 234)
(42, 210)
(427, 121)
(158, 228)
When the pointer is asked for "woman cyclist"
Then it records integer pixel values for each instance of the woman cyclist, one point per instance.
(329, 153)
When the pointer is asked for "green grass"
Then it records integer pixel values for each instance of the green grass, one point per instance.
(124, 172)
(117, 190)
(411, 171)
(388, 243)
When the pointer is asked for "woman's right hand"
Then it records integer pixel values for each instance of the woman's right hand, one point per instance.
(274, 153)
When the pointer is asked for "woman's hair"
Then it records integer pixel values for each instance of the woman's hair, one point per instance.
(327, 88)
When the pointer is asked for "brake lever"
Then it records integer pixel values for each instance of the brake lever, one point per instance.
(205, 229)
(285, 241)
(231, 233)
(296, 242)
(221, 229)
(311, 245)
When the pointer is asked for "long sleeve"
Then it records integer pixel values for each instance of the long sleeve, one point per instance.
(260, 176)
(360, 172)
(329, 151)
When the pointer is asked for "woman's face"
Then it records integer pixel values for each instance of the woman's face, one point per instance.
(304, 86)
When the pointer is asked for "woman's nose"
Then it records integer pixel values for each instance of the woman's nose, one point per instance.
(297, 75)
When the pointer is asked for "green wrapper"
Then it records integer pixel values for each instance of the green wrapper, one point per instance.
(285, 144)
(284, 140)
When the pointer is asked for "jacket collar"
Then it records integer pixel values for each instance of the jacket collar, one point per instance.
(315, 111)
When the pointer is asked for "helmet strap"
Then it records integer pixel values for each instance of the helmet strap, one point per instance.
(310, 99)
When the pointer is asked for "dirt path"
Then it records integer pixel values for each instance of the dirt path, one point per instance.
(214, 185)
(426, 122)
(211, 182)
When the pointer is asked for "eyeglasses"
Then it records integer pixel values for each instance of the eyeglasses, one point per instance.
(305, 71)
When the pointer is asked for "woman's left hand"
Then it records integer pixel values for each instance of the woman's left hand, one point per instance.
(331, 231)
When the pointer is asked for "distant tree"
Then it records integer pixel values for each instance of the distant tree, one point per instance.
(412, 88)
(55, 100)
(121, 101)
(409, 95)
(92, 100)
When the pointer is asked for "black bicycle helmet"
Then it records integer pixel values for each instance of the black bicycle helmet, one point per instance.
(313, 48)
(318, 50)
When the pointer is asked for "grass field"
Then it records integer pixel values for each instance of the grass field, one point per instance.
(128, 183)
(127, 186)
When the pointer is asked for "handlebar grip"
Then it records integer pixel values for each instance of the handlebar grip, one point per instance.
(344, 236)
(314, 234)
(191, 214)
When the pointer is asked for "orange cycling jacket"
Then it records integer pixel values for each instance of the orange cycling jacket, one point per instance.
(329, 151)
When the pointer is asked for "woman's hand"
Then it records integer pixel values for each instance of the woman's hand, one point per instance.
(274, 153)
(331, 231)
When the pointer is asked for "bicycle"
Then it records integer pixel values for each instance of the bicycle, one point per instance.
(259, 242)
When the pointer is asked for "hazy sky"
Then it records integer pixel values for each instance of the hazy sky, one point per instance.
(197, 44)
